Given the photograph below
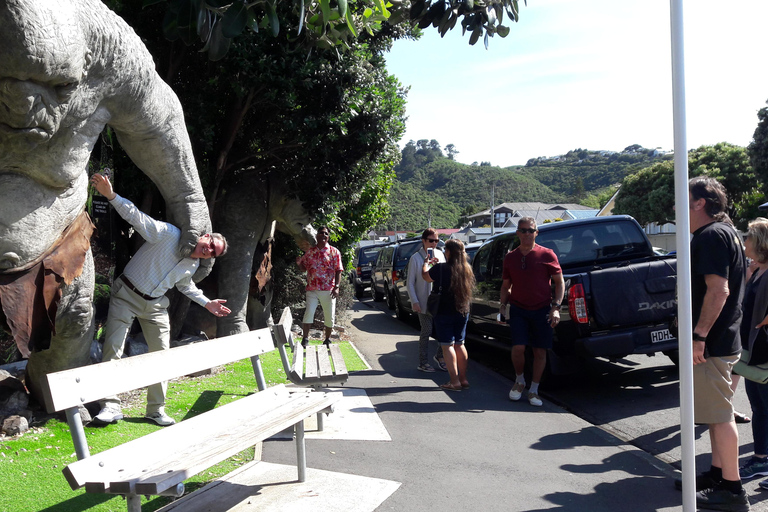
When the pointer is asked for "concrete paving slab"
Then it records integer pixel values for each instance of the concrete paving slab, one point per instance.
(353, 418)
(273, 488)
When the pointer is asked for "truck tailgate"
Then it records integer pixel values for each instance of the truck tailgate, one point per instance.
(637, 294)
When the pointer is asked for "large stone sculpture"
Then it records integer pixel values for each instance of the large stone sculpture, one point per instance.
(68, 68)
(245, 216)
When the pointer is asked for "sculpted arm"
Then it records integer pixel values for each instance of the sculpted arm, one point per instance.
(149, 124)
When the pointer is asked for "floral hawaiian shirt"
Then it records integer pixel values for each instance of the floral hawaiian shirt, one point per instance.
(321, 265)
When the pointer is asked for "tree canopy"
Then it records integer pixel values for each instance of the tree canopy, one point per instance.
(649, 194)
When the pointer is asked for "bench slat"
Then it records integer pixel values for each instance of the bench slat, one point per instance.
(298, 362)
(310, 354)
(324, 362)
(79, 386)
(161, 460)
(339, 366)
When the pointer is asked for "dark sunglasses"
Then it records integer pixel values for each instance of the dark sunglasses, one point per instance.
(526, 230)
(433, 240)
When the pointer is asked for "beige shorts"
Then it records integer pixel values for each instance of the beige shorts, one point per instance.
(712, 392)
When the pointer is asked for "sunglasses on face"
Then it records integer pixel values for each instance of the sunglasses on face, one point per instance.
(432, 240)
(210, 247)
(526, 230)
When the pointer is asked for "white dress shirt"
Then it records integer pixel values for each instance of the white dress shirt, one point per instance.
(157, 265)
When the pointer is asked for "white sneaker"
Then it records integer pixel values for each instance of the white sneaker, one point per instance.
(516, 392)
(160, 418)
(533, 399)
(109, 414)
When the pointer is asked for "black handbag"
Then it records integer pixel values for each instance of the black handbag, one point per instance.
(433, 301)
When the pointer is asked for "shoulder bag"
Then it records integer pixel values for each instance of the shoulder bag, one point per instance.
(433, 301)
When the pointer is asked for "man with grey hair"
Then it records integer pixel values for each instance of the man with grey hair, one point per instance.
(528, 273)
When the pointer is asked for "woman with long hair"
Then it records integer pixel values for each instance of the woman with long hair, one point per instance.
(453, 281)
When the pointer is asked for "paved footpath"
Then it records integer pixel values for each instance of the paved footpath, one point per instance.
(474, 449)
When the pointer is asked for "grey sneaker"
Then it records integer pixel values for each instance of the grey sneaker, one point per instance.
(718, 498)
(516, 392)
(109, 414)
(161, 419)
(755, 466)
(534, 399)
(425, 368)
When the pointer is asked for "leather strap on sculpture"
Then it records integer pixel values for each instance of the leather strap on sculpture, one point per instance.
(30, 295)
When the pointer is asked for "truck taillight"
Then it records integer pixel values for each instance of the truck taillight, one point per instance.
(394, 276)
(359, 270)
(577, 304)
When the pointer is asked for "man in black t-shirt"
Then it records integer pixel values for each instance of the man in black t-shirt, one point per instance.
(717, 286)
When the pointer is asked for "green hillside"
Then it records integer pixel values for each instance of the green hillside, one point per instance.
(429, 182)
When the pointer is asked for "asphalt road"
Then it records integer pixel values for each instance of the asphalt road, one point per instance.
(636, 399)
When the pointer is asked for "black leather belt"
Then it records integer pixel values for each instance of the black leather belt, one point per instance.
(134, 290)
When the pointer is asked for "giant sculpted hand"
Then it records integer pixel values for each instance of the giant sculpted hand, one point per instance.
(68, 68)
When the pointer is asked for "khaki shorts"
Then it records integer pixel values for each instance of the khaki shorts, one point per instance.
(712, 392)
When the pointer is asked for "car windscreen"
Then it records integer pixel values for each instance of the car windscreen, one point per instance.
(587, 244)
(368, 255)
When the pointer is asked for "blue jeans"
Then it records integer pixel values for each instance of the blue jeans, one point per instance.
(758, 399)
(451, 328)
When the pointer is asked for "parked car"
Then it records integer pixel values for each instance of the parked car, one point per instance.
(619, 294)
(391, 271)
(471, 250)
(362, 264)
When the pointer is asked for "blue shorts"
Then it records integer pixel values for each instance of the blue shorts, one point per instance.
(451, 328)
(530, 327)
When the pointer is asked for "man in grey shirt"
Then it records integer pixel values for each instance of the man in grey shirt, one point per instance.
(418, 291)
(140, 293)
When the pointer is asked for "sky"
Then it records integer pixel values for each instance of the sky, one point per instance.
(592, 74)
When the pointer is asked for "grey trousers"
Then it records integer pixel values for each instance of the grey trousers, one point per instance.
(124, 306)
(425, 321)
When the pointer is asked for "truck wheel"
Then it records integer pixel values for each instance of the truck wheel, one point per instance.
(674, 356)
(377, 297)
(390, 299)
(399, 311)
(359, 291)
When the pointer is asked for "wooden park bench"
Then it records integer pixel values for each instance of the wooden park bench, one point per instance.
(158, 463)
(314, 366)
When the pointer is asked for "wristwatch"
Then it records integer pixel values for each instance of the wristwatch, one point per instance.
(699, 337)
(556, 304)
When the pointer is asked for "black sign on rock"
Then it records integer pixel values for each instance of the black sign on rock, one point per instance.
(100, 206)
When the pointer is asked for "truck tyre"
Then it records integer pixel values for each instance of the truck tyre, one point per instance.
(390, 298)
(377, 297)
(359, 291)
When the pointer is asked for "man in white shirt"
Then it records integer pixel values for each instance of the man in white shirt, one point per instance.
(140, 293)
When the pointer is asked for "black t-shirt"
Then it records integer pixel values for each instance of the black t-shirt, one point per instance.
(716, 249)
(441, 277)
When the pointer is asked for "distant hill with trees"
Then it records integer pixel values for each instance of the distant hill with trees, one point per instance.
(429, 182)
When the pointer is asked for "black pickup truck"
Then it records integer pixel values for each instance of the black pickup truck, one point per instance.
(619, 294)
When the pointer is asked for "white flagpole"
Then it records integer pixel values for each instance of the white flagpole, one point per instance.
(685, 329)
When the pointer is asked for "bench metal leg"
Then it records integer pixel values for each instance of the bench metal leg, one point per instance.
(301, 451)
(259, 373)
(134, 502)
(320, 421)
(77, 432)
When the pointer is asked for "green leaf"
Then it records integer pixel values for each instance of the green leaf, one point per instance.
(475, 36)
(350, 24)
(469, 4)
(502, 30)
(219, 44)
(234, 19)
(342, 7)
(383, 9)
(253, 21)
(274, 22)
(325, 8)
(301, 16)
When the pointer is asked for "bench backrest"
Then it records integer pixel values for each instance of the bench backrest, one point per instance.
(78, 386)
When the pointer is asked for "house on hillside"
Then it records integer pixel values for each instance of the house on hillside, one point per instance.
(471, 234)
(506, 215)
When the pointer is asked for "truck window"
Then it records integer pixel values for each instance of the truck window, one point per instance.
(480, 263)
(587, 244)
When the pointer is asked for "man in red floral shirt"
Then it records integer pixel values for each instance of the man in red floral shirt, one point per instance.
(322, 264)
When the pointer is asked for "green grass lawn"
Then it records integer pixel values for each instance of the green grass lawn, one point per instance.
(31, 465)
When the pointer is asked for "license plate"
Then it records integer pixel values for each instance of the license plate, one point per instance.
(661, 335)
